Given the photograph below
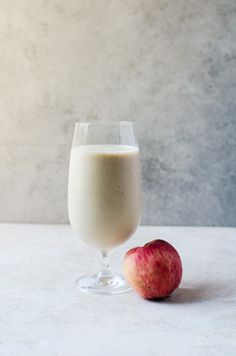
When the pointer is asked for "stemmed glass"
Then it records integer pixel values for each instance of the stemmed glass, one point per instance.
(104, 194)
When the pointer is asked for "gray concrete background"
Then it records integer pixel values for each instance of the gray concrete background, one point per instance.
(168, 65)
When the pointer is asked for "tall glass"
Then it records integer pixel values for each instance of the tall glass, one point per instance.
(104, 194)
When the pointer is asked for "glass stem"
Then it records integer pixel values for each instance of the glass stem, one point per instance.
(106, 269)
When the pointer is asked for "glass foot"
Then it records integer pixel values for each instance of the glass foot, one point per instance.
(102, 284)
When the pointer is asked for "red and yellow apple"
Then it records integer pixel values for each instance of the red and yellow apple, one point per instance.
(153, 270)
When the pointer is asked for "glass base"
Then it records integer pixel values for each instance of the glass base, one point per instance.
(103, 284)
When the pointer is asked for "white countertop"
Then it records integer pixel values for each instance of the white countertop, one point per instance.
(42, 313)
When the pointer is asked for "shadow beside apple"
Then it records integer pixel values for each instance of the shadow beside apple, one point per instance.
(196, 294)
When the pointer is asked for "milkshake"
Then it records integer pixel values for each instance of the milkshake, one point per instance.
(104, 193)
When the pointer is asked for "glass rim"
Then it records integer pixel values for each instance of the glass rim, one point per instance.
(121, 122)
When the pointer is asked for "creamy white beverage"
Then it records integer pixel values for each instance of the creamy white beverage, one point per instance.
(104, 194)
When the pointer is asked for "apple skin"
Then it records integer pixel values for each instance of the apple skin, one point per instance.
(153, 270)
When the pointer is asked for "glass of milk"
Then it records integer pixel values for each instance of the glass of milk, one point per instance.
(104, 194)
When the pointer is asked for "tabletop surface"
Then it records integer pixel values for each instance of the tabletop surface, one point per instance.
(42, 313)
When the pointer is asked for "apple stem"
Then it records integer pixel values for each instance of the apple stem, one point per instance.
(106, 269)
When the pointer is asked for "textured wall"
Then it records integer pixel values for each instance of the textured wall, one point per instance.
(168, 65)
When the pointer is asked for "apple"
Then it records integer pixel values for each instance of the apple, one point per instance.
(153, 270)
